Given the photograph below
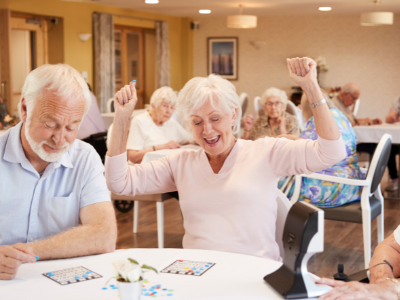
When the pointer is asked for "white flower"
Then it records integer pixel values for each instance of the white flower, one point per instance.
(127, 270)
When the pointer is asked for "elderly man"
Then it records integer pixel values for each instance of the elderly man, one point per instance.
(54, 202)
(347, 97)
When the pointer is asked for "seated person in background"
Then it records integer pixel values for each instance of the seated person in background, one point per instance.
(155, 129)
(324, 193)
(3, 113)
(382, 284)
(216, 183)
(50, 181)
(93, 123)
(349, 93)
(276, 120)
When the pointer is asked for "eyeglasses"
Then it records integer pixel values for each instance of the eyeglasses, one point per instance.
(270, 104)
(354, 98)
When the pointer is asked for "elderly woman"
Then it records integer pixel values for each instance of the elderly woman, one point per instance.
(228, 188)
(155, 129)
(276, 120)
(323, 193)
(384, 267)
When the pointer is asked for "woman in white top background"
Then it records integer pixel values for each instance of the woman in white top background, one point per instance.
(155, 129)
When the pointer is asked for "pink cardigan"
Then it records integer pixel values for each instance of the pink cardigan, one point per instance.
(234, 210)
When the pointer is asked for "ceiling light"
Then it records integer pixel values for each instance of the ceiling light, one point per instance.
(204, 11)
(325, 8)
(151, 1)
(377, 18)
(241, 21)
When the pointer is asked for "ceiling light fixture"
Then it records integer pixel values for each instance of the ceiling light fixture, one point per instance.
(151, 1)
(377, 18)
(204, 11)
(325, 8)
(241, 21)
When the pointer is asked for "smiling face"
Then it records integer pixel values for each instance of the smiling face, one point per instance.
(164, 111)
(212, 128)
(273, 107)
(52, 125)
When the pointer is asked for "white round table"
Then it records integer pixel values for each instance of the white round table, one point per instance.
(233, 277)
(374, 133)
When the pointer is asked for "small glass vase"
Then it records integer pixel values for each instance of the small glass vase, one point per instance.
(130, 290)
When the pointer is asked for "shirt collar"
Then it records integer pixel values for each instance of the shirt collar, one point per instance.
(15, 153)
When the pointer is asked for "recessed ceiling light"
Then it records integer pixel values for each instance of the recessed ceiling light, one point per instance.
(204, 11)
(325, 8)
(151, 1)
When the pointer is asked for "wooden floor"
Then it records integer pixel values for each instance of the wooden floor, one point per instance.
(343, 241)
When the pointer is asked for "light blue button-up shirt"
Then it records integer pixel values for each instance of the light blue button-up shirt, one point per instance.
(34, 207)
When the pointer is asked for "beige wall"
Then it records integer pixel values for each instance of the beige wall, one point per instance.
(369, 56)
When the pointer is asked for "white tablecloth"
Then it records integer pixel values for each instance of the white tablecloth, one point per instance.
(154, 155)
(374, 133)
(234, 277)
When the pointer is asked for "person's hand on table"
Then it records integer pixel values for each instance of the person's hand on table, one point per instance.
(391, 119)
(364, 122)
(376, 121)
(11, 257)
(124, 102)
(385, 290)
(169, 145)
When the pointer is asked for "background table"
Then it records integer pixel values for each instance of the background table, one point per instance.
(374, 133)
(154, 155)
(108, 119)
(234, 277)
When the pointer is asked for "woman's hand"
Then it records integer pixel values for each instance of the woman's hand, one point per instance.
(376, 121)
(124, 102)
(248, 122)
(169, 145)
(282, 125)
(303, 71)
(385, 290)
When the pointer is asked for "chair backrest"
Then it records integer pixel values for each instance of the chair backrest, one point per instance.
(283, 207)
(356, 107)
(379, 161)
(291, 108)
(244, 101)
(258, 108)
(110, 105)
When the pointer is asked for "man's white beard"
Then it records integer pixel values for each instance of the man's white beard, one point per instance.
(38, 147)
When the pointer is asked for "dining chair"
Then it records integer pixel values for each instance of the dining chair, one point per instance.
(371, 205)
(356, 107)
(110, 105)
(258, 107)
(283, 207)
(244, 101)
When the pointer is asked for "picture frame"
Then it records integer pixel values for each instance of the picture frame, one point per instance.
(222, 57)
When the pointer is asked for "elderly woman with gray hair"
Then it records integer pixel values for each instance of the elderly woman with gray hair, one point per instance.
(228, 188)
(155, 129)
(275, 121)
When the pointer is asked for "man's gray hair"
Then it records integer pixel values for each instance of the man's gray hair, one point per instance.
(350, 88)
(199, 90)
(165, 94)
(62, 79)
(274, 92)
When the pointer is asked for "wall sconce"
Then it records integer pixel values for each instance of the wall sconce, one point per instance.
(84, 36)
(258, 44)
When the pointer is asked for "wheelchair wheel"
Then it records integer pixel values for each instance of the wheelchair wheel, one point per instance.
(123, 206)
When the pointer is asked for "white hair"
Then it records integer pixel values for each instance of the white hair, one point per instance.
(165, 94)
(62, 79)
(199, 90)
(274, 92)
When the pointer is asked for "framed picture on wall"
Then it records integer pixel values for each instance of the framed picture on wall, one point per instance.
(222, 54)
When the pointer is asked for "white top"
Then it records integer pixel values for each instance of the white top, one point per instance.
(92, 123)
(234, 210)
(397, 235)
(144, 133)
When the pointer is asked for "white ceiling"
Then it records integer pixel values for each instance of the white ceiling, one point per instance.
(190, 8)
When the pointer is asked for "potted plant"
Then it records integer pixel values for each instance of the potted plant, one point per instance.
(128, 274)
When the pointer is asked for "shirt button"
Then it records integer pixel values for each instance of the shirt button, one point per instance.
(33, 210)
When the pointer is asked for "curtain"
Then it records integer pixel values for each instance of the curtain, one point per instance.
(163, 67)
(104, 57)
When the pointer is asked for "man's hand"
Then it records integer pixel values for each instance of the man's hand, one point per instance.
(248, 122)
(170, 145)
(282, 125)
(303, 71)
(355, 290)
(124, 101)
(376, 121)
(11, 257)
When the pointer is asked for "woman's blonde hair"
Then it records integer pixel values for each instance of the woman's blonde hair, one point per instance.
(199, 90)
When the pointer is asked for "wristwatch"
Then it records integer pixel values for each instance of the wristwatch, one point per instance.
(316, 104)
(397, 285)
